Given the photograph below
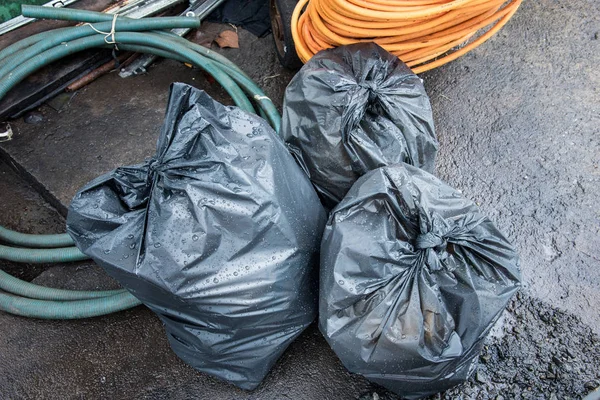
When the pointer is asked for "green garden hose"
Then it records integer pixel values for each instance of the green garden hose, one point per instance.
(10, 284)
(41, 256)
(53, 45)
(37, 241)
(66, 309)
(19, 60)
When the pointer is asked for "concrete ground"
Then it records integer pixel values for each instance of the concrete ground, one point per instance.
(518, 122)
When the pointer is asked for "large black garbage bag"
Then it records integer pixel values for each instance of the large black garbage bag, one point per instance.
(413, 277)
(218, 234)
(352, 109)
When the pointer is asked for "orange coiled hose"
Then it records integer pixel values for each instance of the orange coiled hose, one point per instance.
(422, 33)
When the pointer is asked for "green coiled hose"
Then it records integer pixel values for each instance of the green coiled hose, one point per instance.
(76, 309)
(19, 60)
(38, 241)
(10, 284)
(41, 256)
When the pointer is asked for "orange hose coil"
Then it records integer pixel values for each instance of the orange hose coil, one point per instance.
(422, 33)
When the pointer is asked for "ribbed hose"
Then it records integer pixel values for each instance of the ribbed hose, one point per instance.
(233, 80)
(41, 256)
(10, 284)
(425, 34)
(37, 241)
(66, 309)
(28, 55)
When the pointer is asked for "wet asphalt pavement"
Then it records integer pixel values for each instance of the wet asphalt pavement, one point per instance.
(518, 122)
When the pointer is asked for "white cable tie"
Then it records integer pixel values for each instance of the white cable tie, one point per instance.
(7, 134)
(259, 97)
(110, 34)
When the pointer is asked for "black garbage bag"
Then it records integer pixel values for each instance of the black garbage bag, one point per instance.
(413, 277)
(252, 15)
(352, 109)
(218, 234)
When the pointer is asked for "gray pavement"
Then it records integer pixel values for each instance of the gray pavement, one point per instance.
(518, 122)
(519, 127)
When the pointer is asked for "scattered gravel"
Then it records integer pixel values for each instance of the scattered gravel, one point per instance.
(539, 352)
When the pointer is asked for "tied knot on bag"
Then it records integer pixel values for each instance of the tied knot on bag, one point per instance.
(430, 240)
(433, 245)
(155, 166)
(371, 89)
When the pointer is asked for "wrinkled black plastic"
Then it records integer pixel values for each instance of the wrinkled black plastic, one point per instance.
(352, 109)
(218, 234)
(252, 15)
(413, 277)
